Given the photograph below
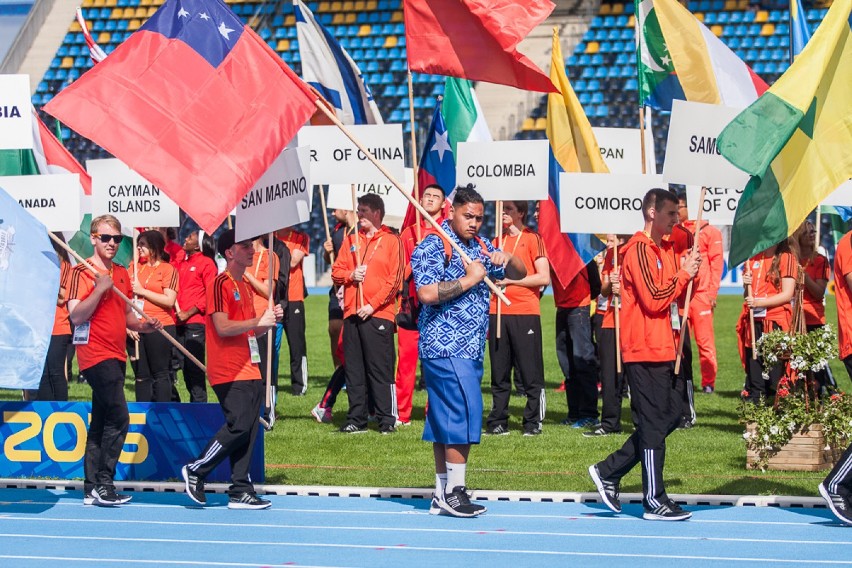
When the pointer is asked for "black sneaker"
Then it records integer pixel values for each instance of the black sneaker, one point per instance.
(457, 503)
(351, 429)
(707, 390)
(534, 431)
(105, 496)
(384, 430)
(498, 430)
(669, 511)
(608, 490)
(598, 432)
(248, 500)
(194, 486)
(837, 503)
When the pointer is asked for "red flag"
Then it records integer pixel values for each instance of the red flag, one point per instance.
(53, 158)
(195, 102)
(476, 40)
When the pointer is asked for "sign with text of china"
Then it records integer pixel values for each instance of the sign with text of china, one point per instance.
(510, 169)
(603, 203)
(16, 115)
(720, 203)
(52, 199)
(692, 157)
(336, 159)
(621, 149)
(340, 196)
(280, 198)
(136, 202)
(840, 197)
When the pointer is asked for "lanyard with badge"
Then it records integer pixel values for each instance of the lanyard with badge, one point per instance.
(140, 302)
(254, 350)
(82, 331)
(758, 265)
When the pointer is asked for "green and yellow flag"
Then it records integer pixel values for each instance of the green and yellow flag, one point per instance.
(795, 140)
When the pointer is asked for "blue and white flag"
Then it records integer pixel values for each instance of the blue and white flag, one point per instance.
(328, 68)
(29, 285)
(799, 32)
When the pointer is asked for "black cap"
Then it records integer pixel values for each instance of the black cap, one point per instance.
(226, 241)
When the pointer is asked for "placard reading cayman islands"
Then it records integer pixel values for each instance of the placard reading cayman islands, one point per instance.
(621, 149)
(336, 159)
(603, 203)
(692, 157)
(16, 117)
(52, 199)
(720, 203)
(512, 169)
(340, 196)
(117, 190)
(280, 198)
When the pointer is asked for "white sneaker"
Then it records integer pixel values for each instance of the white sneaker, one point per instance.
(322, 415)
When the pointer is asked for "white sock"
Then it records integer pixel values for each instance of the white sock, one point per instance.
(440, 484)
(455, 475)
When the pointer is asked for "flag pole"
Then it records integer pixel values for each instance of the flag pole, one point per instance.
(616, 299)
(751, 316)
(685, 326)
(270, 333)
(435, 225)
(355, 244)
(325, 221)
(498, 230)
(127, 301)
(419, 231)
(135, 278)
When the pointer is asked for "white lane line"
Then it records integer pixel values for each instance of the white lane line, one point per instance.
(157, 562)
(406, 547)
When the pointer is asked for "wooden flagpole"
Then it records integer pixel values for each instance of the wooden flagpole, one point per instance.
(355, 244)
(271, 333)
(751, 315)
(684, 328)
(418, 229)
(135, 278)
(617, 310)
(325, 222)
(498, 230)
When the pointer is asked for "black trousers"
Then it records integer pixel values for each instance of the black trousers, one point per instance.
(688, 406)
(576, 355)
(294, 327)
(152, 369)
(335, 385)
(110, 421)
(612, 382)
(240, 402)
(191, 337)
(656, 398)
(756, 385)
(368, 349)
(54, 381)
(839, 479)
(519, 346)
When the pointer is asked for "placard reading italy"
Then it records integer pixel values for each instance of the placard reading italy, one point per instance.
(512, 169)
(621, 149)
(117, 190)
(52, 199)
(692, 157)
(336, 159)
(340, 196)
(720, 203)
(281, 197)
(16, 117)
(603, 203)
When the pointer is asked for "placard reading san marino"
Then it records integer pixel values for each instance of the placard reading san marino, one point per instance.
(336, 159)
(16, 117)
(720, 203)
(136, 202)
(52, 199)
(511, 169)
(603, 203)
(281, 197)
(621, 149)
(692, 157)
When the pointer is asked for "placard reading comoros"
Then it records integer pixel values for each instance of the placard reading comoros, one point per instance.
(692, 156)
(621, 149)
(336, 159)
(53, 199)
(511, 169)
(603, 203)
(280, 198)
(136, 202)
(720, 203)
(396, 204)
(16, 117)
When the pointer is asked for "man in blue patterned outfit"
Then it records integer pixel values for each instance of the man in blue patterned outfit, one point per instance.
(453, 324)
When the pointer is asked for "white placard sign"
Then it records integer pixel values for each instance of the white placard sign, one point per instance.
(336, 159)
(280, 198)
(603, 203)
(16, 117)
(340, 196)
(53, 199)
(720, 203)
(511, 169)
(841, 197)
(621, 149)
(692, 157)
(136, 202)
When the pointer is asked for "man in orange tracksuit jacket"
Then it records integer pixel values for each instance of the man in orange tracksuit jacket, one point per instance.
(651, 283)
(370, 259)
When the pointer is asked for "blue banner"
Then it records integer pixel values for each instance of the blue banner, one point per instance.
(48, 439)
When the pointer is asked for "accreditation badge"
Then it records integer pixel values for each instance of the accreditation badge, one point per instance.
(675, 317)
(81, 334)
(139, 304)
(254, 349)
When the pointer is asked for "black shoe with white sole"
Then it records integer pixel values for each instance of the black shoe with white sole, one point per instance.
(248, 500)
(608, 490)
(457, 503)
(838, 504)
(669, 511)
(105, 496)
(194, 486)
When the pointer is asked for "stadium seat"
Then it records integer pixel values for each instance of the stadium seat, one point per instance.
(767, 29)
(528, 124)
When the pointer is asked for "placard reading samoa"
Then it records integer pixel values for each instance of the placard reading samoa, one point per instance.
(514, 169)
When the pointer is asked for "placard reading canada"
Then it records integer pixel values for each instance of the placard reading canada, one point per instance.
(52, 199)
(603, 203)
(512, 169)
(340, 196)
(281, 197)
(720, 203)
(336, 159)
(621, 149)
(16, 118)
(117, 190)
(692, 157)
(841, 197)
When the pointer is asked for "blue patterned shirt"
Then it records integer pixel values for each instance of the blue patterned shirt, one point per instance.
(456, 328)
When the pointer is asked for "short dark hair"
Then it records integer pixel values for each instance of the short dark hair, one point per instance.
(436, 186)
(467, 194)
(655, 198)
(374, 202)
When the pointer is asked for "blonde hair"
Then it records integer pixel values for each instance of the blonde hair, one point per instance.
(108, 219)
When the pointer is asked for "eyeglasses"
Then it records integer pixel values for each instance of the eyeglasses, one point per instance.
(107, 238)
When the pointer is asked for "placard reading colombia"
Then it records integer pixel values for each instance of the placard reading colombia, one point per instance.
(117, 190)
(603, 203)
(513, 169)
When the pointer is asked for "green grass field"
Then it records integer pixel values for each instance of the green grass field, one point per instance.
(708, 459)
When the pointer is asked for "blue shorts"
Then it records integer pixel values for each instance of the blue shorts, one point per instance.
(454, 414)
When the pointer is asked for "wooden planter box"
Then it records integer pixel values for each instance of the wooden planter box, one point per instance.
(804, 452)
